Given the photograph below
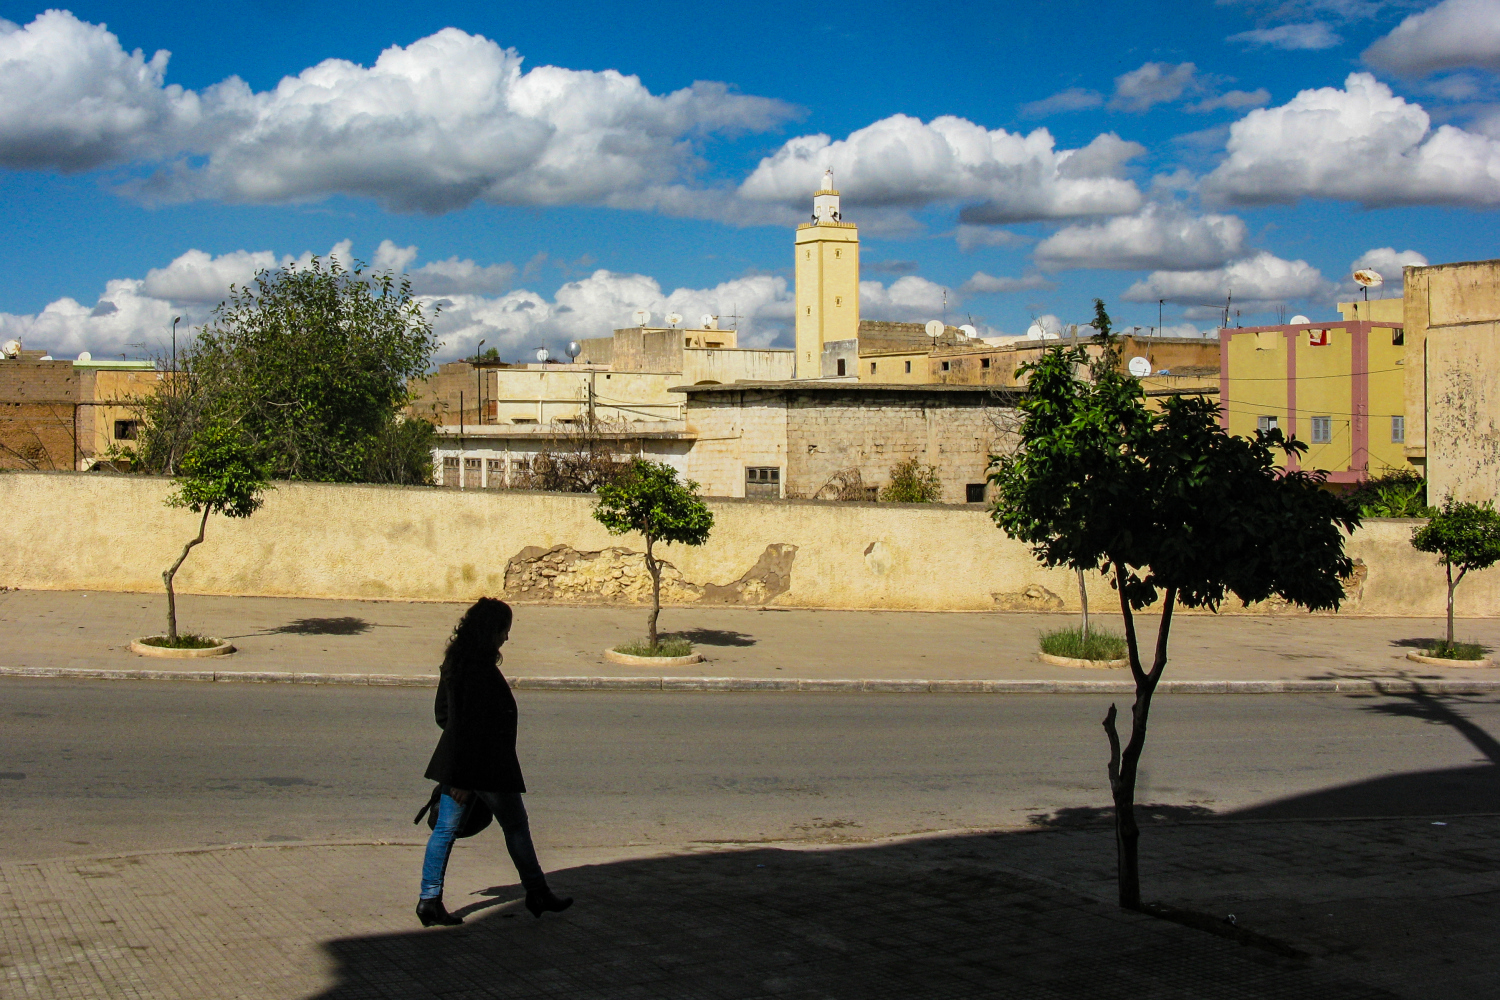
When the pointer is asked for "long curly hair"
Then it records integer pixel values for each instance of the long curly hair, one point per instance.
(473, 643)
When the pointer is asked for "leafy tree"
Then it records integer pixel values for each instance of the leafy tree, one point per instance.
(1398, 493)
(1466, 535)
(220, 474)
(1173, 509)
(913, 482)
(401, 453)
(649, 499)
(311, 364)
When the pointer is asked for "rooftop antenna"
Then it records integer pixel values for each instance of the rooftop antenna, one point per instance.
(641, 317)
(1159, 304)
(1367, 278)
(734, 317)
(945, 307)
(673, 319)
(935, 328)
(573, 350)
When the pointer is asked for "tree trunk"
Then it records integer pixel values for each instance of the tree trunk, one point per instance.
(1124, 764)
(1083, 596)
(655, 568)
(1449, 567)
(167, 575)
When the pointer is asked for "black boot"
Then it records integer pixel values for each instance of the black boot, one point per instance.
(541, 900)
(431, 911)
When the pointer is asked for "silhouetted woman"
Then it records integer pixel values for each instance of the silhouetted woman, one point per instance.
(476, 756)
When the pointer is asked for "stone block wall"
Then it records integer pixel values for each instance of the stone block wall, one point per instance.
(36, 413)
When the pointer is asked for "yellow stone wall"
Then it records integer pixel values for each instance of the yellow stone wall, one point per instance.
(70, 531)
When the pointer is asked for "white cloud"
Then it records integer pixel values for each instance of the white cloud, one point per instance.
(902, 162)
(200, 277)
(1159, 236)
(1360, 144)
(1254, 282)
(1234, 100)
(970, 238)
(72, 99)
(1312, 35)
(1072, 99)
(1451, 34)
(988, 284)
(1153, 83)
(433, 126)
(910, 299)
(123, 318)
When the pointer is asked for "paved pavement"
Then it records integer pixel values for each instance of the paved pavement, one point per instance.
(1351, 831)
(64, 629)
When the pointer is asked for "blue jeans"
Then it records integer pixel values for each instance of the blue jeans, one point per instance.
(510, 813)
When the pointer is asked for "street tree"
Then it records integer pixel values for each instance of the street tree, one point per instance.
(1174, 510)
(1467, 536)
(219, 474)
(649, 499)
(913, 482)
(311, 363)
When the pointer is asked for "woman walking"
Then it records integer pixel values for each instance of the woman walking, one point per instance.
(476, 758)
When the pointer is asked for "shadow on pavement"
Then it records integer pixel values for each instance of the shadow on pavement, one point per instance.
(715, 637)
(322, 626)
(936, 918)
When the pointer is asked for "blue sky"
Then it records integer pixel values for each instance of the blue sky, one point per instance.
(544, 170)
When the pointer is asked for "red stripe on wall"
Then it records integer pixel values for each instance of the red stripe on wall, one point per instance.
(1224, 379)
(1359, 389)
(1291, 392)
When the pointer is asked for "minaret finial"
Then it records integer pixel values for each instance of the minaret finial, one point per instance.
(828, 179)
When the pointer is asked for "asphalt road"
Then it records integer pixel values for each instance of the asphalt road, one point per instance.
(94, 768)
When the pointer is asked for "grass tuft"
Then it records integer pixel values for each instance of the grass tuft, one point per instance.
(185, 640)
(1456, 650)
(1100, 645)
(667, 646)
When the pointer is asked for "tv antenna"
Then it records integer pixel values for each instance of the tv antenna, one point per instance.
(935, 328)
(641, 317)
(1367, 278)
(673, 319)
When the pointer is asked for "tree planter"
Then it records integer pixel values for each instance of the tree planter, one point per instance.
(1069, 661)
(1438, 661)
(139, 646)
(628, 660)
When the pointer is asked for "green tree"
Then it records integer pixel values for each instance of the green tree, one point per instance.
(1466, 535)
(1173, 509)
(401, 453)
(219, 474)
(913, 482)
(311, 364)
(649, 499)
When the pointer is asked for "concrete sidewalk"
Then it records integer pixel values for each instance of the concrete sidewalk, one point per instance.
(1342, 909)
(64, 631)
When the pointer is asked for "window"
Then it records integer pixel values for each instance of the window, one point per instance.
(1317, 338)
(1322, 430)
(763, 481)
(974, 493)
(127, 430)
(1265, 424)
(809, 310)
(872, 368)
(837, 252)
(945, 365)
(809, 255)
(841, 366)
(908, 368)
(984, 362)
(838, 300)
(450, 471)
(1398, 430)
(1398, 337)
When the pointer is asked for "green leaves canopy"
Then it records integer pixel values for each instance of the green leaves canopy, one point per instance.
(312, 366)
(1466, 535)
(649, 499)
(1164, 500)
(220, 474)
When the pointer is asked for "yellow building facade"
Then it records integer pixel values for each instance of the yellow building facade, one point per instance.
(827, 279)
(1338, 386)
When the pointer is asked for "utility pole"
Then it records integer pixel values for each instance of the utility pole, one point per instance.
(175, 321)
(478, 385)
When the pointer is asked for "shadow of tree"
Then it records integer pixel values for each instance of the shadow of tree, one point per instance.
(715, 637)
(1429, 643)
(1074, 817)
(345, 625)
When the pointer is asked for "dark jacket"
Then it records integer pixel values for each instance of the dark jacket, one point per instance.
(477, 714)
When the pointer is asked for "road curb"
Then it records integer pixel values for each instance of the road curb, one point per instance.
(872, 686)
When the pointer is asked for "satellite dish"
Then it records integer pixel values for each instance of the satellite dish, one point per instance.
(85, 356)
(574, 349)
(674, 318)
(542, 355)
(641, 317)
(708, 321)
(12, 349)
(1368, 278)
(45, 357)
(1035, 332)
(1140, 367)
(934, 328)
(968, 331)
(1298, 320)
